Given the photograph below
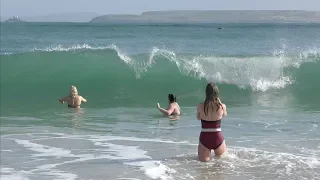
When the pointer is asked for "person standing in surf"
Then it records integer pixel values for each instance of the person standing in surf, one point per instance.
(73, 99)
(173, 108)
(210, 112)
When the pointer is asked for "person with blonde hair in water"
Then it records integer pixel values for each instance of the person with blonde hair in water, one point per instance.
(210, 112)
(73, 99)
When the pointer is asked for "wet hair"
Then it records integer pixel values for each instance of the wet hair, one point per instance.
(73, 93)
(212, 95)
(172, 98)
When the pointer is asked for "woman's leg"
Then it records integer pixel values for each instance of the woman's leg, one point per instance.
(221, 149)
(204, 154)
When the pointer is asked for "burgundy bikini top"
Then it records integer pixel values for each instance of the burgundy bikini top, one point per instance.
(210, 124)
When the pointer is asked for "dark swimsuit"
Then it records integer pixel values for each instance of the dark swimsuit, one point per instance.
(211, 136)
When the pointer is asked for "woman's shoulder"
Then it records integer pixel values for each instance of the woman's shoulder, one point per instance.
(200, 105)
(177, 105)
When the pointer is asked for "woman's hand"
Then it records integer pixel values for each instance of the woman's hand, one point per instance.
(158, 105)
(62, 100)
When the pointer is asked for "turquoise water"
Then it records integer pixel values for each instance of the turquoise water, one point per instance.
(268, 75)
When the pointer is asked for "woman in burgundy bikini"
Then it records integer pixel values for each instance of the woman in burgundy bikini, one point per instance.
(210, 112)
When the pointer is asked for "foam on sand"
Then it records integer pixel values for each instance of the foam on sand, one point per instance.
(137, 157)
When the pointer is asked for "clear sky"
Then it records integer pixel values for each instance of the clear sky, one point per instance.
(44, 7)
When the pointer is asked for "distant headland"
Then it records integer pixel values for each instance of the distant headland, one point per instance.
(181, 16)
(214, 16)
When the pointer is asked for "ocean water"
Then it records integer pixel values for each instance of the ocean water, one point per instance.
(268, 76)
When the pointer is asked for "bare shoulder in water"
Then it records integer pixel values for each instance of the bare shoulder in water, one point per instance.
(73, 100)
(173, 110)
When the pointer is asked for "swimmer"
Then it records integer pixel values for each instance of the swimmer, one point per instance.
(210, 113)
(73, 99)
(173, 108)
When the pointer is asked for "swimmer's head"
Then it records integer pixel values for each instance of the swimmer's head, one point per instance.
(73, 92)
(172, 98)
(212, 91)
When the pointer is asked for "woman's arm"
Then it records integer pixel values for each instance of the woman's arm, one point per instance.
(168, 111)
(83, 99)
(224, 109)
(198, 112)
(62, 100)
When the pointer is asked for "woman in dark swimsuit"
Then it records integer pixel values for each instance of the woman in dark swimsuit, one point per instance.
(210, 112)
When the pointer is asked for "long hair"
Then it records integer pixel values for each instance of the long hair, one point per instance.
(212, 95)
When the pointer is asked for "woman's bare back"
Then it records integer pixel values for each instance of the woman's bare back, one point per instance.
(213, 114)
(176, 110)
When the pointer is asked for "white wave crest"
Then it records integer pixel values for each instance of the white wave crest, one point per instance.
(61, 48)
(5, 53)
(260, 73)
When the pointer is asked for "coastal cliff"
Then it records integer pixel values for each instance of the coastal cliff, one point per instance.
(212, 16)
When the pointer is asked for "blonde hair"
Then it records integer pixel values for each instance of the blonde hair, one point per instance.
(73, 93)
